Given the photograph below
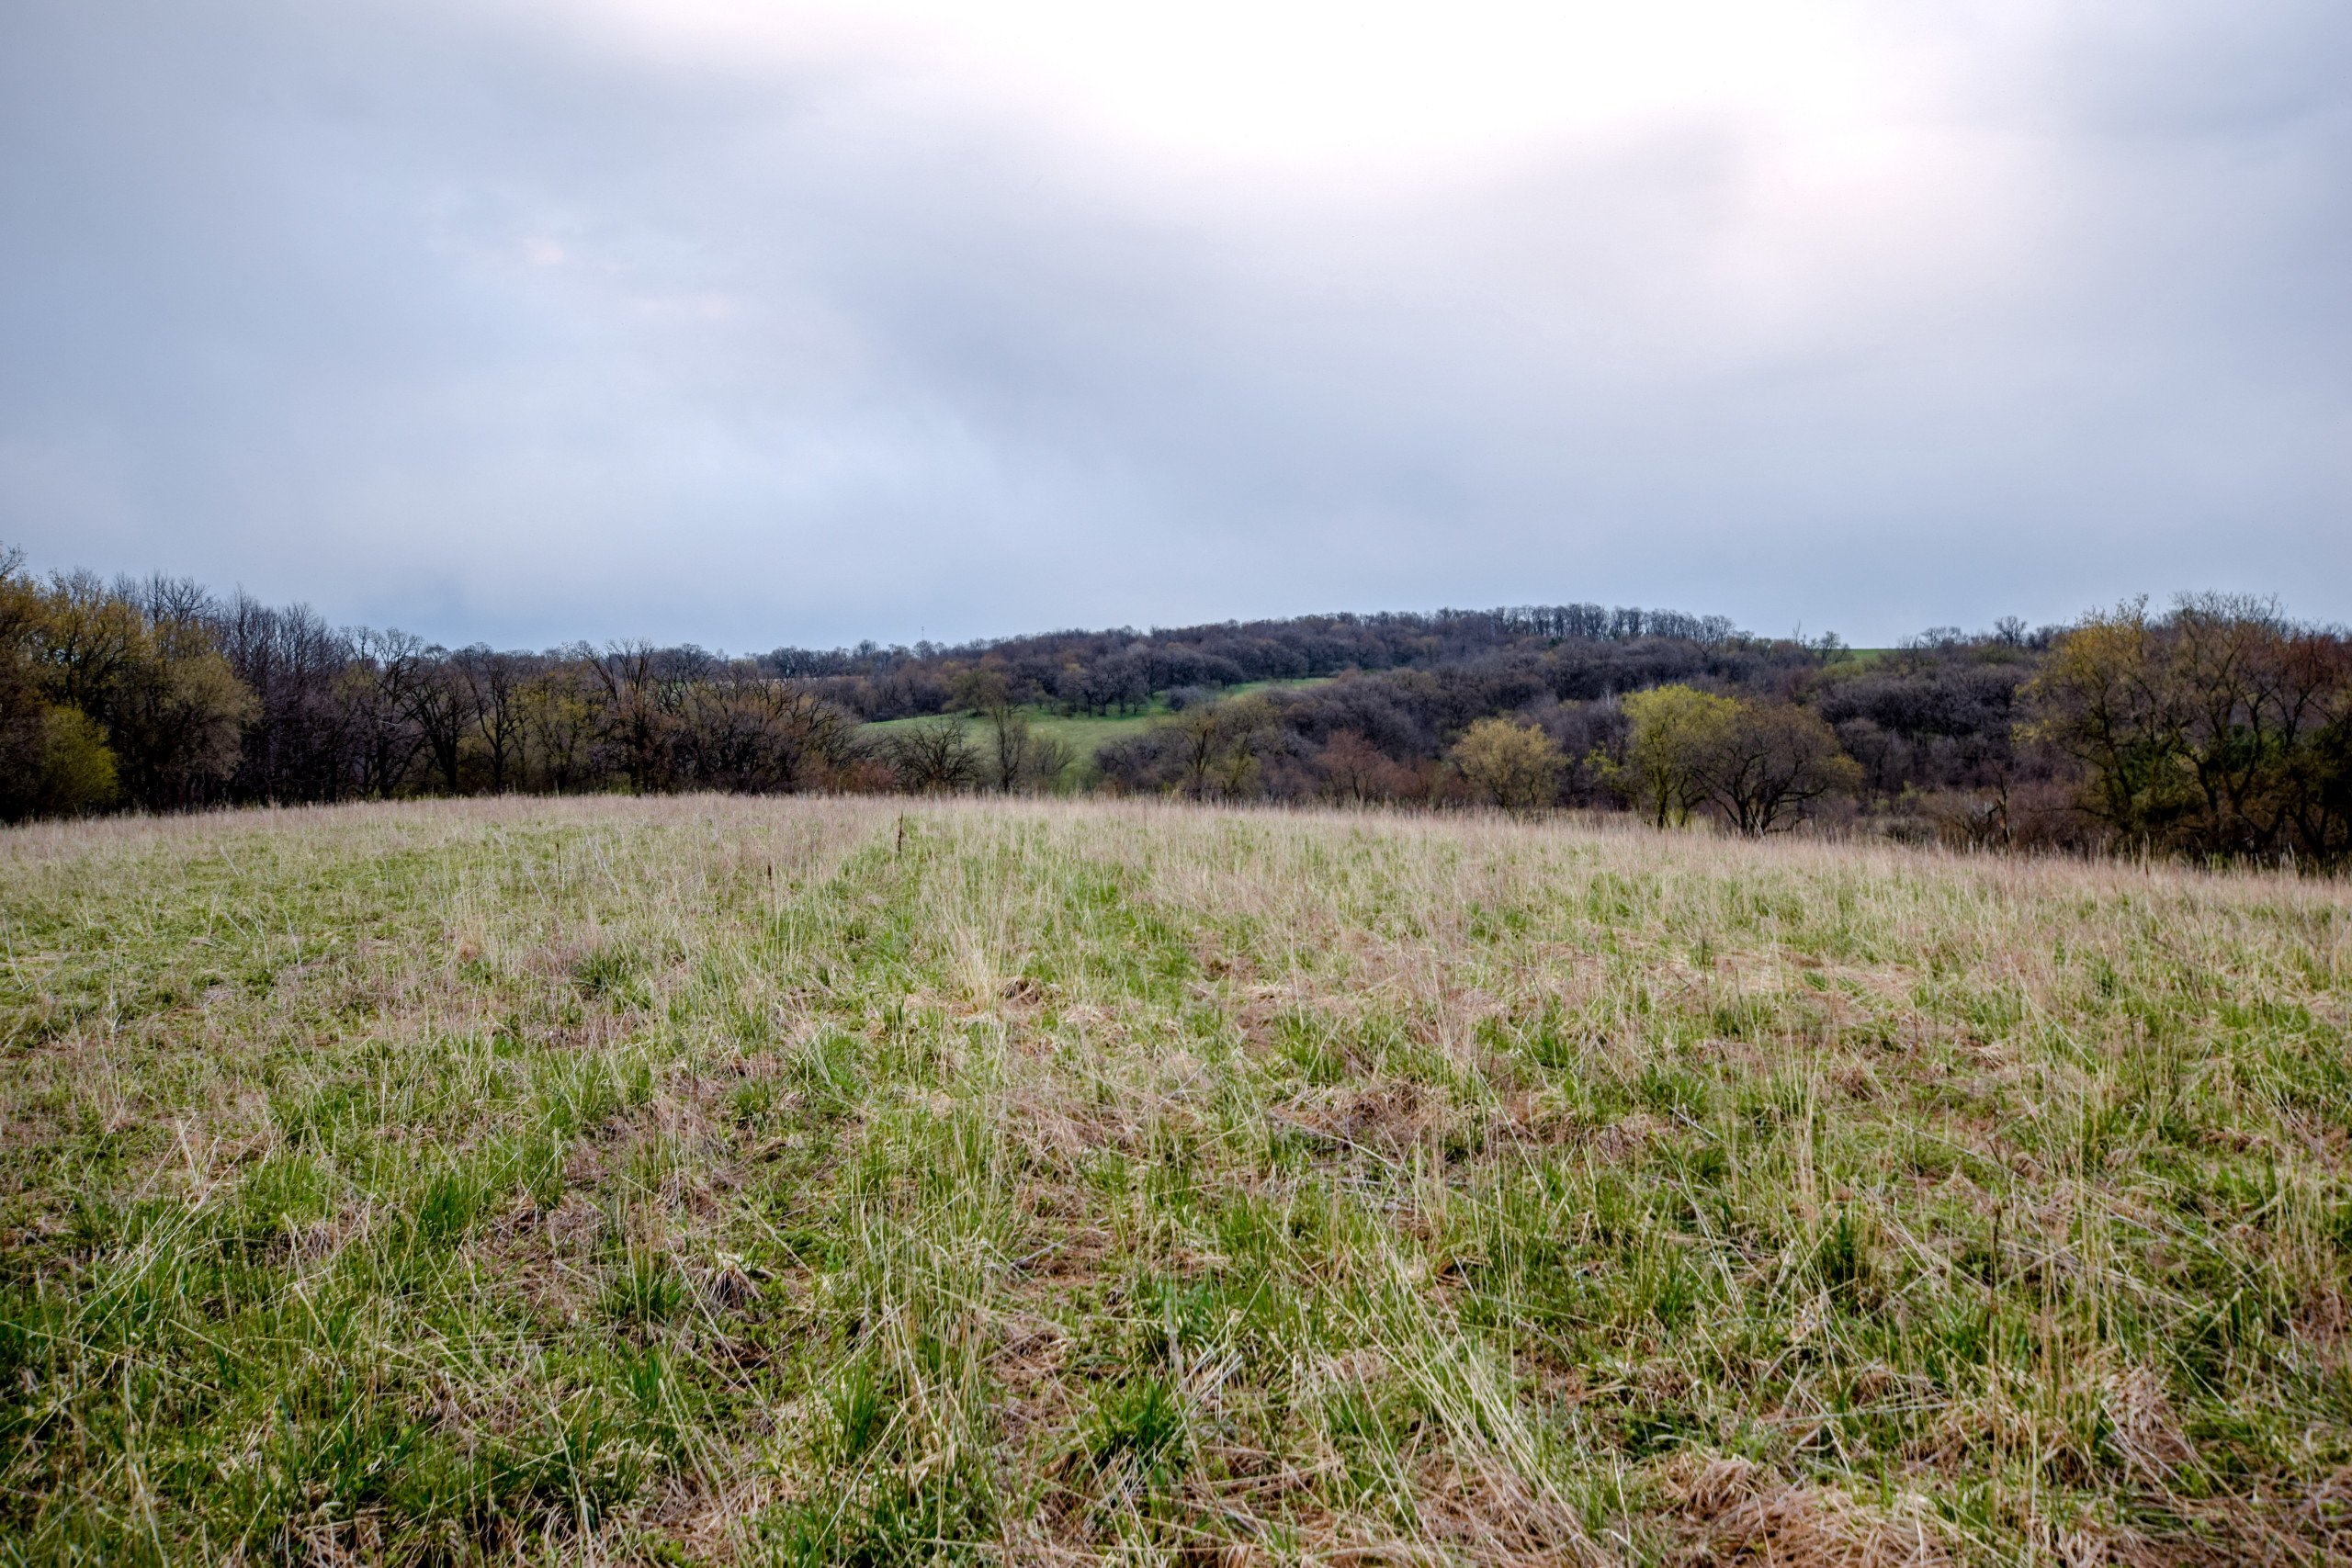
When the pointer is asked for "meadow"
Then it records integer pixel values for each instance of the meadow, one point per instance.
(858, 1180)
(1083, 733)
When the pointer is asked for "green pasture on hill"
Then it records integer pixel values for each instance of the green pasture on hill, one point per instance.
(1084, 733)
(872, 1181)
(1087, 733)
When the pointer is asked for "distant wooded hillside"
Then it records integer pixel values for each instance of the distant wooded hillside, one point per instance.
(2216, 727)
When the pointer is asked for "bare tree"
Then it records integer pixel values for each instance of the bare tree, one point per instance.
(932, 756)
(377, 689)
(443, 702)
(987, 694)
(1198, 735)
(637, 717)
(493, 683)
(563, 717)
(741, 728)
(1768, 763)
(1049, 762)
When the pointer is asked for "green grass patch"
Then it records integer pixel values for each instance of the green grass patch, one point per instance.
(1086, 733)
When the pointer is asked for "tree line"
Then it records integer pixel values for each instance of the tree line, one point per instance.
(2216, 727)
(154, 695)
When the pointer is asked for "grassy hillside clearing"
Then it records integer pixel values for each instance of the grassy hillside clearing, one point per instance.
(798, 1181)
(1086, 733)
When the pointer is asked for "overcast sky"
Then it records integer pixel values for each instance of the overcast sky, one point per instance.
(752, 323)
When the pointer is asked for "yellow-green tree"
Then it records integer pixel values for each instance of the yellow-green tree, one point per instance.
(1674, 727)
(1758, 765)
(106, 694)
(55, 761)
(2221, 728)
(1515, 766)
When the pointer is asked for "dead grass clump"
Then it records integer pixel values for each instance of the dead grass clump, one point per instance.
(1735, 1511)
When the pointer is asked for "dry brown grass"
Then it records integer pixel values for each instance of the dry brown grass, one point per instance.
(748, 1179)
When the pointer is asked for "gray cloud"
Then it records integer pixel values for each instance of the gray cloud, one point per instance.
(487, 327)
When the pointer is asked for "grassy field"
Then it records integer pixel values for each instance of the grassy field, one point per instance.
(1087, 733)
(806, 1181)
